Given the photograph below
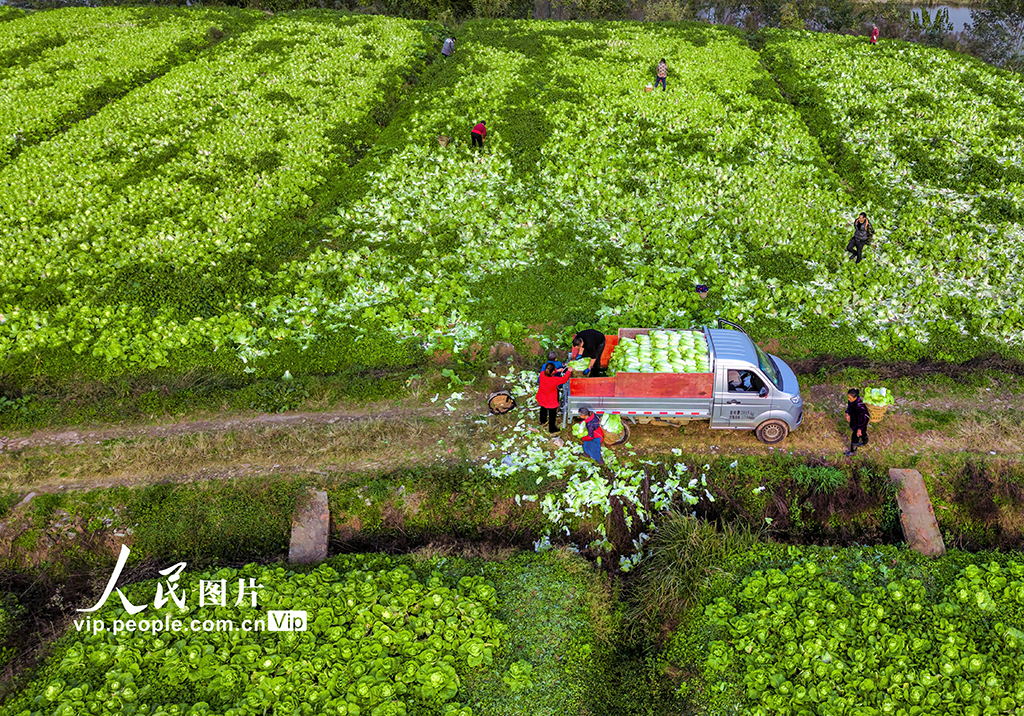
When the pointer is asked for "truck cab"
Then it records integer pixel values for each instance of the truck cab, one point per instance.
(753, 389)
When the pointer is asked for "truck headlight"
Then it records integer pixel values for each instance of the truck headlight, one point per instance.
(796, 400)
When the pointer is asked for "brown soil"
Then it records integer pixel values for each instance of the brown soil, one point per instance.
(81, 437)
(418, 432)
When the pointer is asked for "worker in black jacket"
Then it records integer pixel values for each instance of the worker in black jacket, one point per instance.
(589, 344)
(863, 232)
(858, 417)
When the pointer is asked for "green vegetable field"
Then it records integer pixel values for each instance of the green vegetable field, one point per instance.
(386, 637)
(57, 67)
(278, 199)
(858, 631)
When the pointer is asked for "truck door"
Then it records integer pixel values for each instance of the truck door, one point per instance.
(739, 402)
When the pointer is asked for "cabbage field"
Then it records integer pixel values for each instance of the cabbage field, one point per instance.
(383, 637)
(934, 142)
(135, 237)
(815, 638)
(281, 201)
(57, 67)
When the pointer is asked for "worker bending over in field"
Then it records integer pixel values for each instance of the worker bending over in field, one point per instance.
(592, 440)
(478, 134)
(547, 395)
(863, 232)
(448, 47)
(858, 417)
(589, 344)
(662, 73)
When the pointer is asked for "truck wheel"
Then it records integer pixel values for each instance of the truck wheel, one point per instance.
(618, 438)
(772, 431)
(501, 402)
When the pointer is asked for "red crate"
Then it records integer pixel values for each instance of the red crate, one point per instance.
(592, 387)
(609, 345)
(664, 385)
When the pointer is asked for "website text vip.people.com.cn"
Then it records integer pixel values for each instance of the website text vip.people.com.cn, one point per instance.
(293, 620)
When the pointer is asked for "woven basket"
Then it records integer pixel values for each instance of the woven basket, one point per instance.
(876, 412)
(443, 140)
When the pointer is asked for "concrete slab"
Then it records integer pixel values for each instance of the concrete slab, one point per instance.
(309, 530)
(920, 528)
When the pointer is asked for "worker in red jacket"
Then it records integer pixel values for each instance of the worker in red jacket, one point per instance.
(594, 436)
(547, 395)
(874, 34)
(478, 134)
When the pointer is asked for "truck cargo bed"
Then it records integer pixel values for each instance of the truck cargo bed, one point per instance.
(645, 385)
(641, 385)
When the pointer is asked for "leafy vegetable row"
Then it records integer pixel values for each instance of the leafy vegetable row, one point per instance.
(379, 641)
(174, 228)
(10, 13)
(142, 231)
(798, 641)
(592, 199)
(933, 143)
(97, 55)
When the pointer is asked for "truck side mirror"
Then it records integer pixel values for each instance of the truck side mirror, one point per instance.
(763, 393)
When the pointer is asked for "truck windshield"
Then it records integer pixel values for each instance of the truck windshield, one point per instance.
(767, 367)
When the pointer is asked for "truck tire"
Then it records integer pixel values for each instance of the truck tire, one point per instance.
(772, 431)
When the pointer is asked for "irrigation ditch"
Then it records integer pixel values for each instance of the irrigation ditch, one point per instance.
(58, 549)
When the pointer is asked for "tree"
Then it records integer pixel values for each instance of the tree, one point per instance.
(1001, 25)
(789, 17)
(835, 15)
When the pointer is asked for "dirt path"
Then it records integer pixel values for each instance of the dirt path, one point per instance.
(46, 438)
(390, 437)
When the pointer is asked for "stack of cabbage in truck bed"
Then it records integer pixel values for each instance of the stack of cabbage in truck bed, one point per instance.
(662, 352)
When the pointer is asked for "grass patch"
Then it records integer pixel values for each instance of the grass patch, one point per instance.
(820, 478)
(561, 619)
(7, 502)
(930, 419)
(684, 557)
(159, 397)
(369, 445)
(233, 519)
(10, 619)
(229, 520)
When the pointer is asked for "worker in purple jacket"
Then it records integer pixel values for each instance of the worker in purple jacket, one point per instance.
(857, 416)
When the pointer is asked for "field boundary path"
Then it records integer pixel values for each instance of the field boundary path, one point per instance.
(389, 437)
(74, 437)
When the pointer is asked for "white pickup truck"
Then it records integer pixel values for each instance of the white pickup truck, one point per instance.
(763, 395)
